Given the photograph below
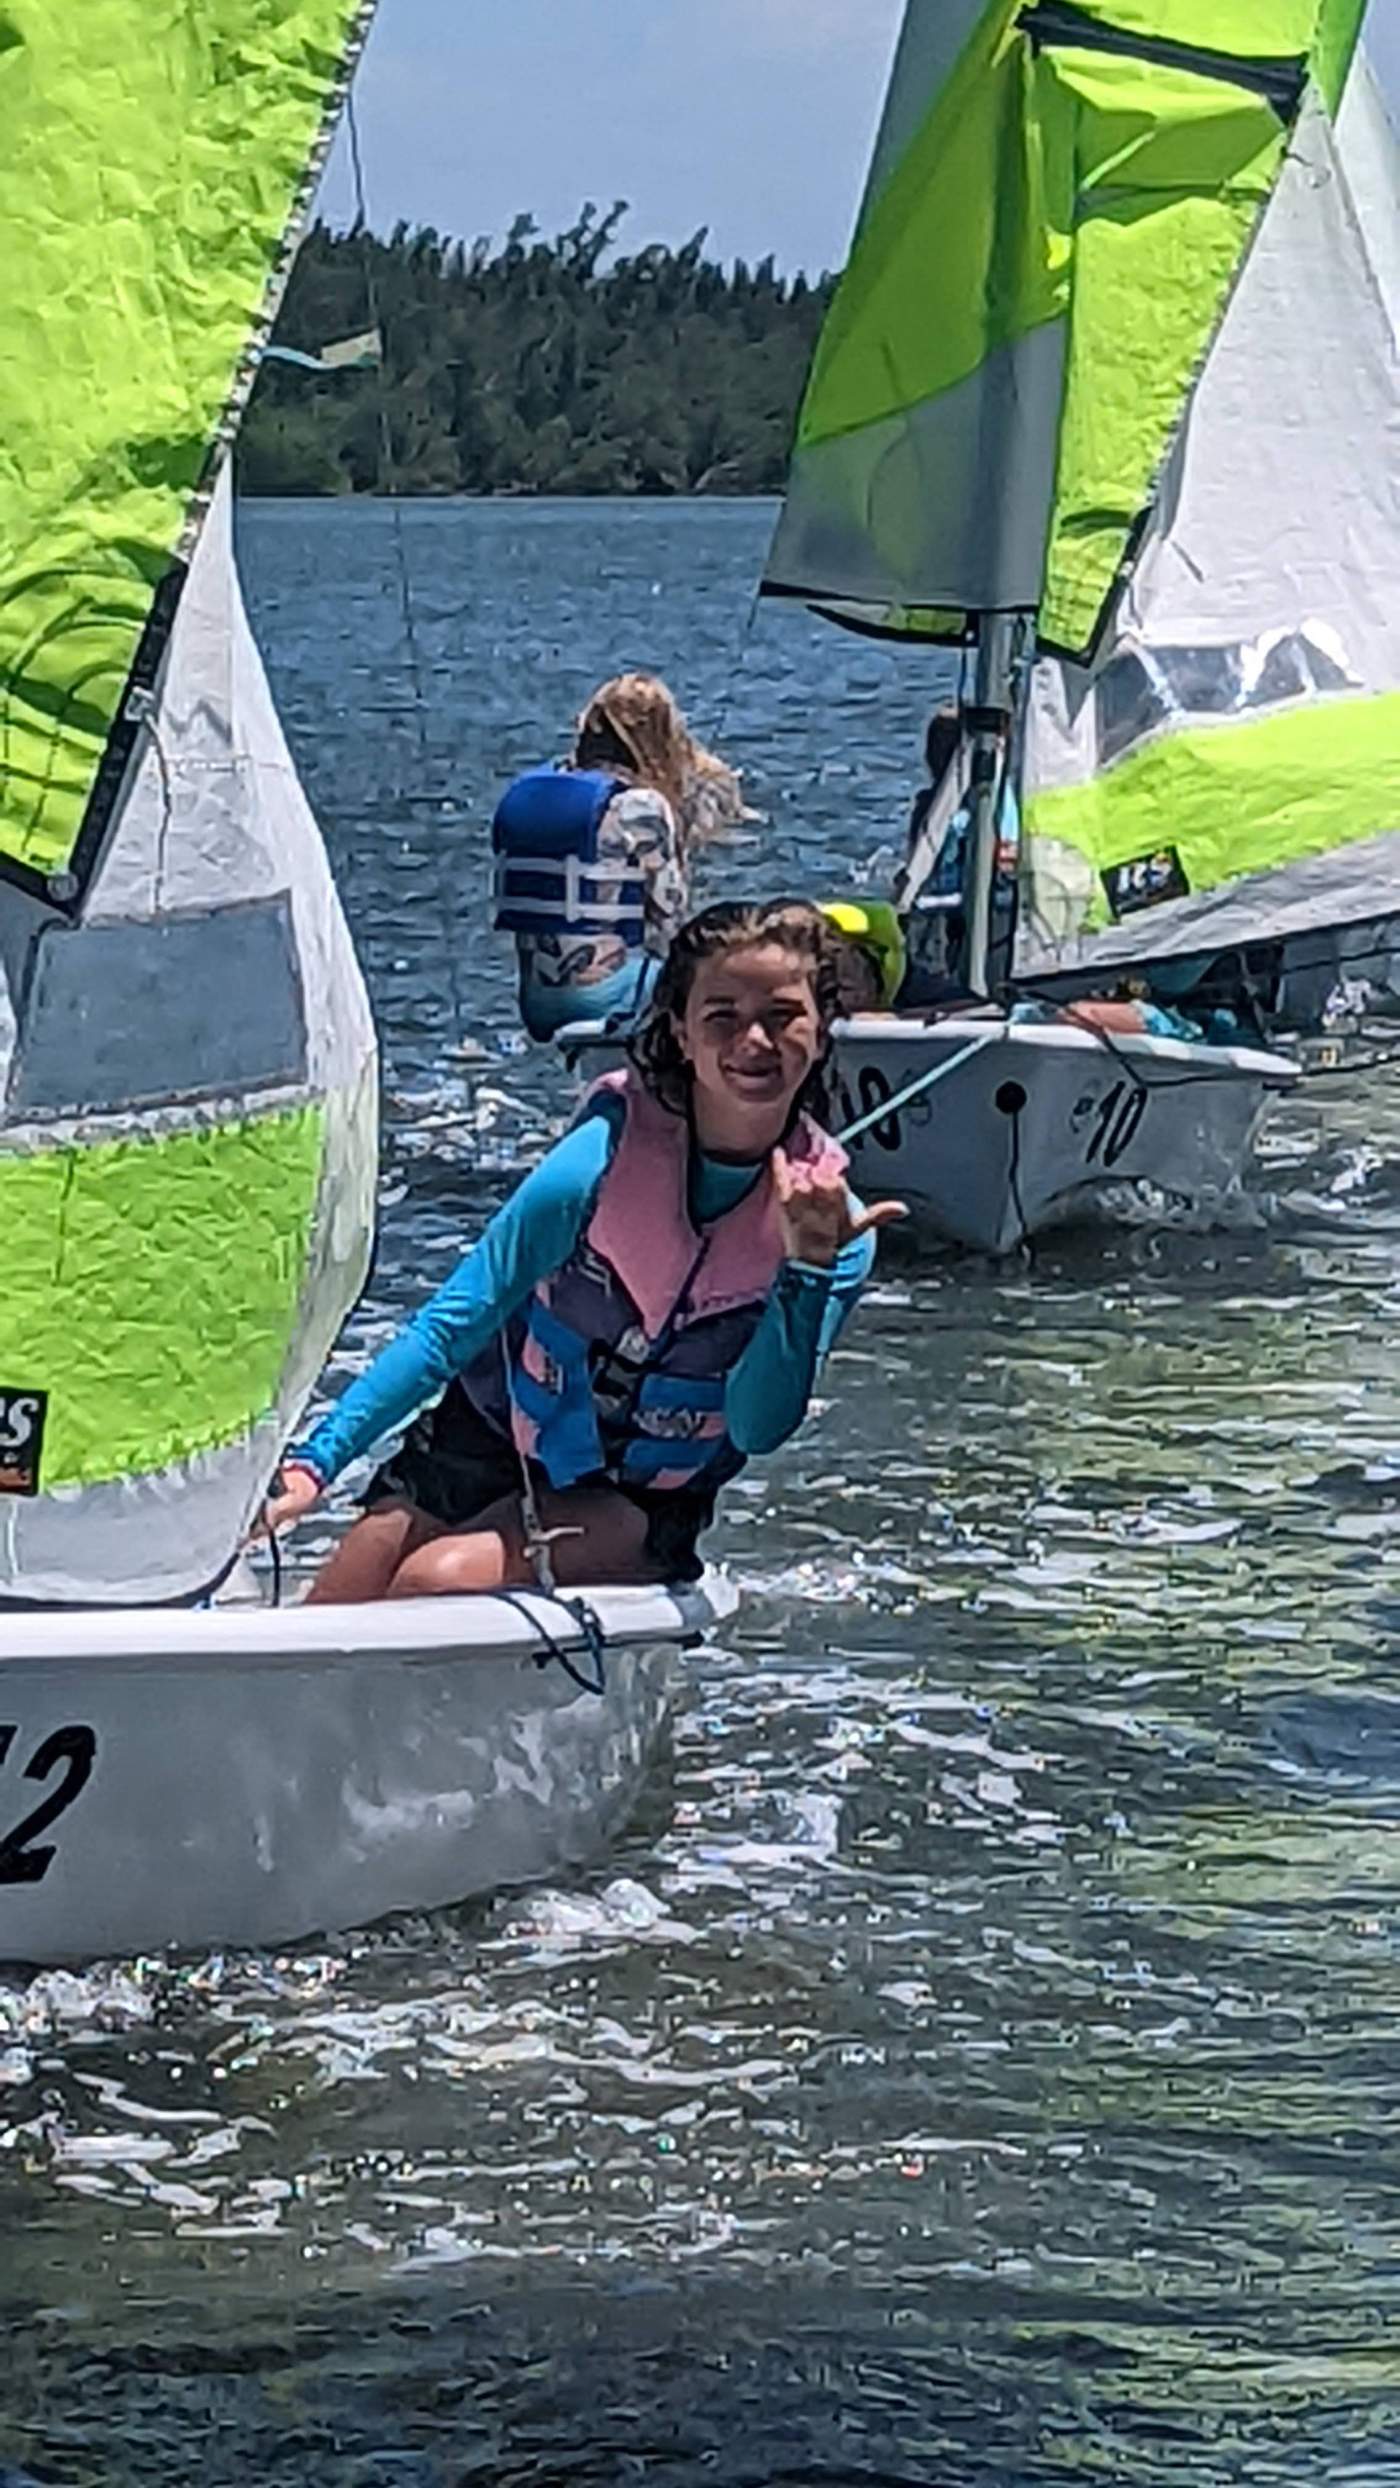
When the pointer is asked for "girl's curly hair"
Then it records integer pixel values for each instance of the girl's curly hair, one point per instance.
(793, 925)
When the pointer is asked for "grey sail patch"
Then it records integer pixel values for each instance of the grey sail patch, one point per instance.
(931, 41)
(153, 1011)
(869, 519)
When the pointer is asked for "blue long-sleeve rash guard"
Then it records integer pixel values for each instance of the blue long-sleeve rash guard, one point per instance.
(766, 1394)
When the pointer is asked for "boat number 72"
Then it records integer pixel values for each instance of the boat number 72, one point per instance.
(21, 1860)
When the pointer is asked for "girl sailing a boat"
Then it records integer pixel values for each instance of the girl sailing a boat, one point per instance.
(651, 1307)
(593, 854)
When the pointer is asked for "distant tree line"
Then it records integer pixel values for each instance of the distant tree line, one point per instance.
(543, 366)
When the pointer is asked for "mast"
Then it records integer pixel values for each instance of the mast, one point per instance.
(989, 724)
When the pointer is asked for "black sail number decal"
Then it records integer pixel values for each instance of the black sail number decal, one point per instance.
(1117, 1122)
(875, 1091)
(23, 1857)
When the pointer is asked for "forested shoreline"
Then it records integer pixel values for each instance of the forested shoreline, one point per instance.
(559, 364)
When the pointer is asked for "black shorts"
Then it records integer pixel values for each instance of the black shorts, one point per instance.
(454, 1465)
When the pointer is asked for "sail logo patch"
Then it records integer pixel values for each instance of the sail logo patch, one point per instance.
(22, 1415)
(1146, 881)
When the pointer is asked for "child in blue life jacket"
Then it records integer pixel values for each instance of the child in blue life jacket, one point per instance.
(593, 855)
(651, 1306)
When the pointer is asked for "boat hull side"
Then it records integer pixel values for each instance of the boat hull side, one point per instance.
(1040, 1120)
(204, 1806)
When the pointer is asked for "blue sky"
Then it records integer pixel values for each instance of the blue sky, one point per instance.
(754, 117)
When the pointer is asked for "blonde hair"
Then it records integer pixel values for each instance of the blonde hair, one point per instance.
(639, 721)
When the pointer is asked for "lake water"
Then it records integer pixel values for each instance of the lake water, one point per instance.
(979, 2063)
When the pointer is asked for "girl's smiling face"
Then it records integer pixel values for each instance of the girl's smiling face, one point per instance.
(751, 1031)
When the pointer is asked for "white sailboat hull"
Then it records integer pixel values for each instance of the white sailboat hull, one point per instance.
(230, 1777)
(1033, 1125)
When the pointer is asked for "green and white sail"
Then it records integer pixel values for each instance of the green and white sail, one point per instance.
(1060, 202)
(1115, 351)
(1225, 771)
(187, 1070)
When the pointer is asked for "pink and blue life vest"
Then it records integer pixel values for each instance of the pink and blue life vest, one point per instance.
(549, 877)
(619, 1361)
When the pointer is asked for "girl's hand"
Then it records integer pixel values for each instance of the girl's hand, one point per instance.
(297, 1490)
(815, 1209)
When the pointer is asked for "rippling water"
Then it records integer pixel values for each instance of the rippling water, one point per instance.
(979, 2062)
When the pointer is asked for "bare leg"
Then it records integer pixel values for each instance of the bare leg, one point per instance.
(370, 1553)
(609, 1544)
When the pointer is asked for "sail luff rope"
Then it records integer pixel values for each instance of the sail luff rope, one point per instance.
(537, 1539)
(386, 438)
(388, 483)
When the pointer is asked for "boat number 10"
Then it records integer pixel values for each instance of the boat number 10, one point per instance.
(1117, 1121)
(25, 1856)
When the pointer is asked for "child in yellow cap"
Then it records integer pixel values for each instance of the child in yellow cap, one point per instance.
(871, 957)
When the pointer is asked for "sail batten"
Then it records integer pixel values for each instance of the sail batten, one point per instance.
(1279, 80)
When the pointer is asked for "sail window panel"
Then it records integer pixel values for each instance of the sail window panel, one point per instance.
(1289, 665)
(135, 1014)
(147, 183)
(1141, 690)
(1130, 704)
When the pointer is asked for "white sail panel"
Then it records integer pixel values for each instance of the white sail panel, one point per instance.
(1370, 153)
